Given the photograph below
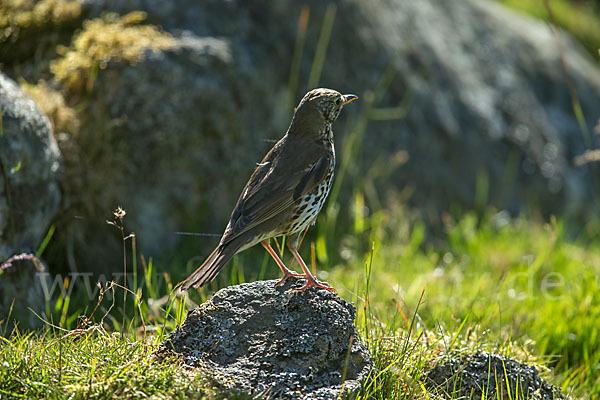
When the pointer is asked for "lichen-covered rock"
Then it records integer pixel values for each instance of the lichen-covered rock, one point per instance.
(493, 375)
(261, 340)
(30, 164)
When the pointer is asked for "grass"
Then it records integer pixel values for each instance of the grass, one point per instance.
(508, 286)
(522, 283)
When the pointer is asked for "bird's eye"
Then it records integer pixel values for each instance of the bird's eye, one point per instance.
(338, 101)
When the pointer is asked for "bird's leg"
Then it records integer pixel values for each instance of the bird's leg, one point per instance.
(310, 279)
(286, 272)
(295, 237)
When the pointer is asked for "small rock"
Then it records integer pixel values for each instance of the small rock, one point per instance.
(488, 373)
(262, 340)
(24, 283)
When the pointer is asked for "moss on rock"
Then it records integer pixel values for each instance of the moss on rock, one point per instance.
(103, 40)
(29, 27)
(63, 118)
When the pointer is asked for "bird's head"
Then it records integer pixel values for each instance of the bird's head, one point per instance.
(317, 111)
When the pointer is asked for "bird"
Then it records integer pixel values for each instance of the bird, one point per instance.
(286, 191)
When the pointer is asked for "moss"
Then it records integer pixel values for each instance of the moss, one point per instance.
(52, 103)
(103, 40)
(581, 19)
(26, 26)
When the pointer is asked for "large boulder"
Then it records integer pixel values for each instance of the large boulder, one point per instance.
(259, 340)
(30, 164)
(475, 94)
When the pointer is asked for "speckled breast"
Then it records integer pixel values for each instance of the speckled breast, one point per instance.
(308, 206)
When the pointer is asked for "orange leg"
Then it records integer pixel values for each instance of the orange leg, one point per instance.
(310, 279)
(299, 244)
(286, 272)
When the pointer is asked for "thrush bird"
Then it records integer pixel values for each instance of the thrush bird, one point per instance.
(286, 191)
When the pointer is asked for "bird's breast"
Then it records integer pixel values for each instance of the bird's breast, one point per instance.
(309, 205)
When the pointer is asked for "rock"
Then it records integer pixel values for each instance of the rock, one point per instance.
(485, 372)
(168, 90)
(260, 340)
(24, 284)
(30, 164)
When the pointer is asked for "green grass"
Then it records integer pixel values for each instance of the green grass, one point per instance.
(88, 365)
(522, 283)
(513, 287)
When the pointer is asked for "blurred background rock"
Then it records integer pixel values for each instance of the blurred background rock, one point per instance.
(164, 108)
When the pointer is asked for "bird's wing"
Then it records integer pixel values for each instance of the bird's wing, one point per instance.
(276, 184)
(313, 177)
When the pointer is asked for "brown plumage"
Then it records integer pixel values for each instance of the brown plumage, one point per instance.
(286, 191)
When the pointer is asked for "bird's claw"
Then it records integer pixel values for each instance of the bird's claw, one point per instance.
(288, 275)
(312, 282)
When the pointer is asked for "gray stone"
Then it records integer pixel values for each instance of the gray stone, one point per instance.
(487, 373)
(30, 164)
(24, 284)
(260, 340)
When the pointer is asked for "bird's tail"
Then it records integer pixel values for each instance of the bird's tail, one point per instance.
(211, 267)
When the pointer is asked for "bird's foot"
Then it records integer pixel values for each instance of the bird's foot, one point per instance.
(287, 275)
(312, 282)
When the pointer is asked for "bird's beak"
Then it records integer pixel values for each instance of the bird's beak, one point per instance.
(349, 98)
